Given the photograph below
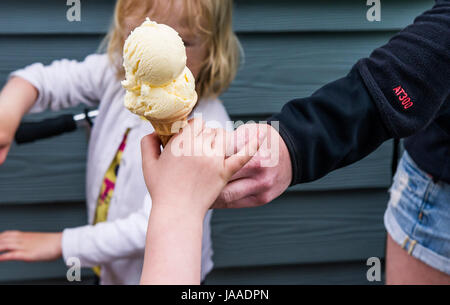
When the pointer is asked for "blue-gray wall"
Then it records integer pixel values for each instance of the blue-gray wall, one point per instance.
(320, 232)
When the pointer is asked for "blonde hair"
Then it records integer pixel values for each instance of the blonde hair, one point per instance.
(211, 18)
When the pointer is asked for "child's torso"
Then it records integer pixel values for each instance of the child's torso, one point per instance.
(110, 126)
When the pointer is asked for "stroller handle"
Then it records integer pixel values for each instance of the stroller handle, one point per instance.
(32, 131)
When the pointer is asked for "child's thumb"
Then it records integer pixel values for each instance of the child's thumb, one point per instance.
(150, 149)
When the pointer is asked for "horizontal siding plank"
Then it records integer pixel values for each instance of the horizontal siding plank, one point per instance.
(302, 228)
(42, 218)
(17, 53)
(50, 17)
(346, 273)
(22, 16)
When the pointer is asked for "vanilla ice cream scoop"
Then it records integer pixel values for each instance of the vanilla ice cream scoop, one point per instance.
(154, 53)
(164, 102)
(159, 85)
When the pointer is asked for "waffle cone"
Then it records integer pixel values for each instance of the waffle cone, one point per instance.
(166, 128)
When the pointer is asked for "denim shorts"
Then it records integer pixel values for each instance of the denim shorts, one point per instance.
(418, 215)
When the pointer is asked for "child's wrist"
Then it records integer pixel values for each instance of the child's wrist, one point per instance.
(17, 97)
(10, 119)
(181, 211)
(58, 244)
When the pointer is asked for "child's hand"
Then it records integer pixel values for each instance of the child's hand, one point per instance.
(184, 180)
(29, 247)
(193, 168)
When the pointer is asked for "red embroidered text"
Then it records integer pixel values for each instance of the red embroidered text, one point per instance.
(403, 97)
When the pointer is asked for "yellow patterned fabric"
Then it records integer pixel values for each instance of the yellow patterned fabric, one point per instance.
(107, 189)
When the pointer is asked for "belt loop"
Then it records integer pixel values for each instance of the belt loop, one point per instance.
(405, 242)
(411, 247)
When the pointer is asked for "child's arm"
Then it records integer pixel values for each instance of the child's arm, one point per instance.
(93, 245)
(183, 180)
(60, 85)
(16, 99)
(67, 83)
(173, 252)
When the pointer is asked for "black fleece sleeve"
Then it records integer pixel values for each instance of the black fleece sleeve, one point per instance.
(395, 92)
(338, 125)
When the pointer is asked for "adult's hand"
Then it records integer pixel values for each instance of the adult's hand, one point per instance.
(266, 176)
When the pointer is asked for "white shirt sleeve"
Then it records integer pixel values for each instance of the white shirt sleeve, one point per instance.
(67, 83)
(105, 242)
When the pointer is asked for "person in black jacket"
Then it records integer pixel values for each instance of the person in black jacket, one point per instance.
(401, 90)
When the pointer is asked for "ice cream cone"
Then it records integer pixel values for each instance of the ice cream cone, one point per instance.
(166, 128)
(159, 86)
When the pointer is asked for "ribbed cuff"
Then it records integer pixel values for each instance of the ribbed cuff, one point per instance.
(291, 146)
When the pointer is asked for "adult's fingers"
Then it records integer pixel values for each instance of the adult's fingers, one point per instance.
(239, 189)
(238, 160)
(251, 169)
(266, 152)
(246, 202)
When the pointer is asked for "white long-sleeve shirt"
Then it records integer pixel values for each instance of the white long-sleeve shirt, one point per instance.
(118, 244)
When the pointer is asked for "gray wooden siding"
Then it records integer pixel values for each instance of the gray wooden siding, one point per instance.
(320, 232)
